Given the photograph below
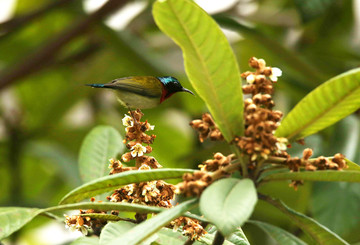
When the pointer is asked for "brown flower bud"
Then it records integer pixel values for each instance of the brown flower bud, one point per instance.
(253, 62)
(307, 153)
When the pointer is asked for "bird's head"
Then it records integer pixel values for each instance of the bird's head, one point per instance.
(171, 86)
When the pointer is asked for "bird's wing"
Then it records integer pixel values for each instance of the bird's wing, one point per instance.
(143, 85)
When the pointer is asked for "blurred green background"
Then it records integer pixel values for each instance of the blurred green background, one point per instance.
(50, 48)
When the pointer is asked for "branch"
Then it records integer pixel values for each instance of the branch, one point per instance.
(37, 60)
(18, 21)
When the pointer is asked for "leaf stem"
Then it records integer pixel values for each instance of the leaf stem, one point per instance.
(219, 239)
(279, 160)
(241, 160)
(258, 168)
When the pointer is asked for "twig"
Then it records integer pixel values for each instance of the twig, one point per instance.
(15, 23)
(38, 59)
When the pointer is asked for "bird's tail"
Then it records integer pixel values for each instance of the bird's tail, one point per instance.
(96, 85)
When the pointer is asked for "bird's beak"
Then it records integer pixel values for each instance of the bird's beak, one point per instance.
(187, 90)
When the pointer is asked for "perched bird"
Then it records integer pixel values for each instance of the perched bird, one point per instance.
(142, 92)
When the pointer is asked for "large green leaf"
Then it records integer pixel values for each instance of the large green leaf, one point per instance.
(86, 241)
(101, 144)
(321, 175)
(112, 182)
(13, 218)
(209, 61)
(342, 218)
(167, 236)
(106, 206)
(319, 233)
(238, 237)
(113, 230)
(281, 236)
(147, 228)
(228, 203)
(325, 105)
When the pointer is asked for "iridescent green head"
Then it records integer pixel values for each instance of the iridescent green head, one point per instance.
(172, 85)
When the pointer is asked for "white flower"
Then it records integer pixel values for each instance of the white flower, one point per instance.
(83, 230)
(113, 199)
(275, 73)
(250, 79)
(127, 121)
(138, 150)
(281, 144)
(129, 189)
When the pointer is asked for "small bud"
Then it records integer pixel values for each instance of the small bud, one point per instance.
(307, 153)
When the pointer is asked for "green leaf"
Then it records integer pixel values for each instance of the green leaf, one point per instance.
(325, 105)
(228, 203)
(13, 218)
(144, 230)
(101, 144)
(86, 241)
(112, 182)
(345, 138)
(320, 175)
(167, 236)
(352, 165)
(339, 217)
(108, 217)
(217, 82)
(281, 236)
(319, 233)
(238, 237)
(106, 206)
(113, 230)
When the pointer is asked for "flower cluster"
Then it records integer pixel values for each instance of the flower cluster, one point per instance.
(320, 163)
(136, 137)
(82, 224)
(194, 183)
(218, 162)
(259, 142)
(152, 193)
(260, 120)
(206, 128)
(190, 227)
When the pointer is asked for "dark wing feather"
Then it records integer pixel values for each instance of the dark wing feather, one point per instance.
(142, 85)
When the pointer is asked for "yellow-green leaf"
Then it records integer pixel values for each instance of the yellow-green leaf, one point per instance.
(209, 60)
(325, 105)
(112, 182)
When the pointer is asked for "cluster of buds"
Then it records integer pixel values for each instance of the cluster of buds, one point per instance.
(190, 227)
(260, 120)
(82, 224)
(152, 193)
(194, 184)
(218, 162)
(320, 163)
(206, 128)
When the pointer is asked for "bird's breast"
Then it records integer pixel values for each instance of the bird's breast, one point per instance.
(134, 100)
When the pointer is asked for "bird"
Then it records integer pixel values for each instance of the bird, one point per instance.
(143, 92)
